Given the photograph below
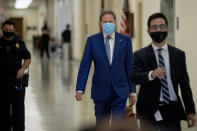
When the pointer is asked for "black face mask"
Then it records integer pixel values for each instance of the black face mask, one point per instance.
(159, 36)
(8, 34)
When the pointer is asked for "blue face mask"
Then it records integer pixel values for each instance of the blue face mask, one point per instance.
(108, 28)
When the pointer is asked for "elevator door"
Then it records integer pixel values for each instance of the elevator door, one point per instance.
(168, 8)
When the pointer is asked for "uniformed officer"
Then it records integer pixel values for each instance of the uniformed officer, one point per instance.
(12, 52)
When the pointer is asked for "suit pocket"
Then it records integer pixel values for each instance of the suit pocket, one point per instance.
(123, 79)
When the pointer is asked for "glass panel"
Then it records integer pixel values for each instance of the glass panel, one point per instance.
(167, 7)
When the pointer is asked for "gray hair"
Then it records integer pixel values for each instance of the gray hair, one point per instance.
(107, 12)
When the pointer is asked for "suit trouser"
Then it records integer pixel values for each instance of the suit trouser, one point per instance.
(45, 48)
(113, 107)
(170, 122)
(14, 109)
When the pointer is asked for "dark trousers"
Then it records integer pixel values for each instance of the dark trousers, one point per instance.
(113, 107)
(14, 109)
(170, 122)
(45, 48)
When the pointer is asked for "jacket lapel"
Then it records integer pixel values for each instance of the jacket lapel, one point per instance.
(172, 60)
(151, 57)
(170, 50)
(116, 47)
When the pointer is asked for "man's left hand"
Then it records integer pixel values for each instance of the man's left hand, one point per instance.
(20, 73)
(132, 100)
(190, 120)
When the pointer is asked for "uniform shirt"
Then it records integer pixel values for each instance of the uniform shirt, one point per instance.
(12, 53)
(165, 55)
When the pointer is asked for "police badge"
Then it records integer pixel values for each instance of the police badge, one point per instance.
(17, 45)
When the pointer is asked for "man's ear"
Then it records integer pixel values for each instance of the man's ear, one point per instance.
(167, 29)
(115, 26)
(100, 26)
(148, 32)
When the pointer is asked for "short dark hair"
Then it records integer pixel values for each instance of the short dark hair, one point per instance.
(67, 26)
(9, 22)
(157, 15)
(107, 12)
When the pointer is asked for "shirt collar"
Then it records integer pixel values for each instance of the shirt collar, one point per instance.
(12, 41)
(164, 47)
(112, 35)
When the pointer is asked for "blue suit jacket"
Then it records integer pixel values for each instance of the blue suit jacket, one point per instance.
(118, 74)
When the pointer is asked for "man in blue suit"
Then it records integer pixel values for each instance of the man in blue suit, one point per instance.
(112, 55)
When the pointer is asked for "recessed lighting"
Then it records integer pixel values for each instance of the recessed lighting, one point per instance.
(22, 4)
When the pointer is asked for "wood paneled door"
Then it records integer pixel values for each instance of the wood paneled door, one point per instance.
(19, 26)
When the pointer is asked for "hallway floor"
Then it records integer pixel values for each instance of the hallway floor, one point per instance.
(50, 97)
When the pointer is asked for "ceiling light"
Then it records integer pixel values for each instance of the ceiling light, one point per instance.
(22, 4)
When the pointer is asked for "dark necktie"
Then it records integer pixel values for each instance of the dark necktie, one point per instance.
(107, 46)
(164, 82)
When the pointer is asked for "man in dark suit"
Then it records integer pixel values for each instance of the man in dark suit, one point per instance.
(111, 53)
(159, 69)
(66, 35)
(66, 41)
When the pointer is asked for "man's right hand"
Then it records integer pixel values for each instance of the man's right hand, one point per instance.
(78, 96)
(191, 120)
(159, 73)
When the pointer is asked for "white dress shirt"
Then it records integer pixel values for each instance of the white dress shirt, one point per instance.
(165, 54)
(111, 44)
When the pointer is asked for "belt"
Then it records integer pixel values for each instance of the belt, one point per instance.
(162, 103)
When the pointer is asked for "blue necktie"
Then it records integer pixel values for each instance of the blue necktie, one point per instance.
(107, 46)
(164, 82)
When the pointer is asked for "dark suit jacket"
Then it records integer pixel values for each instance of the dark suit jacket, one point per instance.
(117, 74)
(149, 94)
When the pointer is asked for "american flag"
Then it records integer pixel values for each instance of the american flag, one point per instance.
(102, 5)
(1, 10)
(123, 23)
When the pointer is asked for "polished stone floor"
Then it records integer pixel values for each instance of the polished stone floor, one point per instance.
(50, 101)
(50, 97)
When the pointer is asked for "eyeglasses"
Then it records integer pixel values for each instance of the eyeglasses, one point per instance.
(156, 27)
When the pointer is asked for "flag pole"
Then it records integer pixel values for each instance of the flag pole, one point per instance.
(129, 19)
